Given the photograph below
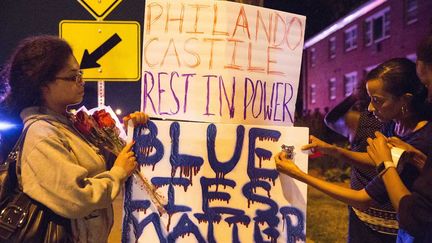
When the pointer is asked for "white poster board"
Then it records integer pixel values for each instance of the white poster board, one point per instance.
(220, 182)
(234, 70)
(220, 61)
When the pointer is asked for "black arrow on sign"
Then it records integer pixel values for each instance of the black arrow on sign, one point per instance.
(89, 60)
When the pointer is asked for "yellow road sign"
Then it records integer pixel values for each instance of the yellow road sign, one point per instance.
(106, 50)
(99, 8)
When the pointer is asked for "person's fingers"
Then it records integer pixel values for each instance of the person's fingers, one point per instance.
(379, 134)
(395, 139)
(134, 119)
(128, 147)
(380, 137)
(372, 145)
(369, 150)
(277, 157)
(397, 142)
(137, 118)
(130, 153)
(308, 146)
(126, 119)
(369, 141)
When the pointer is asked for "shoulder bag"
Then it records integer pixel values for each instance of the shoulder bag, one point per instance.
(23, 219)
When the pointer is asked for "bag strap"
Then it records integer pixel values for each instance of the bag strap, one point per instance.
(20, 141)
(18, 148)
(15, 153)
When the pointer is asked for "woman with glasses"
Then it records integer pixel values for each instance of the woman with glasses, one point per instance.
(398, 100)
(59, 168)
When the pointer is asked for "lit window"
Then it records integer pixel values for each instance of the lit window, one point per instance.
(377, 27)
(410, 11)
(312, 57)
(351, 38)
(350, 83)
(332, 89)
(312, 92)
(332, 47)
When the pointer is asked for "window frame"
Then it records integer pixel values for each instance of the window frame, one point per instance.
(348, 79)
(368, 27)
(312, 89)
(312, 57)
(332, 89)
(332, 47)
(408, 12)
(350, 37)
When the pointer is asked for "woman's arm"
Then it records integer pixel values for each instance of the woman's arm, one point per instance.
(379, 151)
(394, 186)
(358, 159)
(358, 199)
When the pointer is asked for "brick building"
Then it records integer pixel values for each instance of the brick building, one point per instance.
(339, 57)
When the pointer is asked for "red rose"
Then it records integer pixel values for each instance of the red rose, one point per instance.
(83, 123)
(104, 119)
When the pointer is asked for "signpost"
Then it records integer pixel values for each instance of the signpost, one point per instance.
(107, 50)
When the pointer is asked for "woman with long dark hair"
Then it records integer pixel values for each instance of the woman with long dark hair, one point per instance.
(59, 168)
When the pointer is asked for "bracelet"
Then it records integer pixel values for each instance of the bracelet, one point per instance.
(383, 167)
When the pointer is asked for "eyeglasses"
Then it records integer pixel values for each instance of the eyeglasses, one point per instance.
(77, 78)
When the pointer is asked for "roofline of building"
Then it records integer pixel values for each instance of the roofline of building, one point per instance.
(349, 18)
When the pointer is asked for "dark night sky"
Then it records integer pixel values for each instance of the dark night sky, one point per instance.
(319, 13)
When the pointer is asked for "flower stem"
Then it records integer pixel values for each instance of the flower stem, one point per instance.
(158, 200)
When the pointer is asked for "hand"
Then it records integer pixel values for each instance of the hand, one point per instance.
(418, 159)
(126, 159)
(317, 145)
(379, 149)
(286, 166)
(396, 142)
(137, 118)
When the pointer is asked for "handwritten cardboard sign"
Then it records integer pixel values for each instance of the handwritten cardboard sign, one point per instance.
(221, 61)
(220, 183)
(234, 69)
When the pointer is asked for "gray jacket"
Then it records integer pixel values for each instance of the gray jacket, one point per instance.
(63, 171)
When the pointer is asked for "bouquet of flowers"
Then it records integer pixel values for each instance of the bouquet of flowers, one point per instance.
(102, 130)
